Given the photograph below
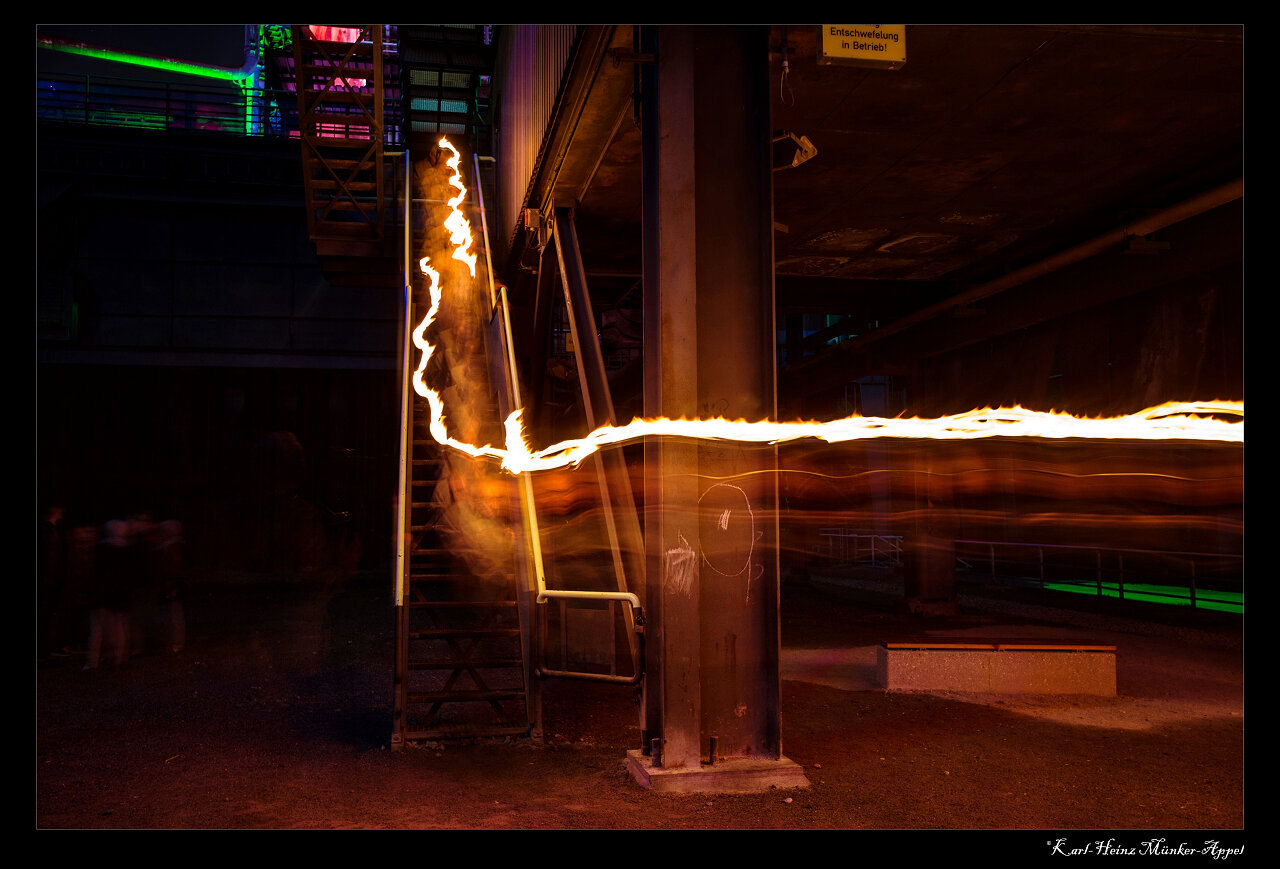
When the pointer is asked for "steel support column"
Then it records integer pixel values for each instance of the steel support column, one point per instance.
(711, 521)
(930, 577)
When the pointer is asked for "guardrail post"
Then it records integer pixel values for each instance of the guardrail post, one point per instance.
(564, 634)
(613, 622)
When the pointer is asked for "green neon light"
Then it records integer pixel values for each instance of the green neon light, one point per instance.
(243, 79)
(237, 77)
(1222, 601)
(276, 37)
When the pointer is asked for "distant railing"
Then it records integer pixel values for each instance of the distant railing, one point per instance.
(854, 547)
(180, 108)
(1203, 580)
(1207, 580)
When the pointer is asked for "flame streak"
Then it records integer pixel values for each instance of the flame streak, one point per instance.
(438, 430)
(1172, 420)
(456, 223)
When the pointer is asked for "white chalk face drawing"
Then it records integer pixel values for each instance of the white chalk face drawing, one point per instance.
(727, 534)
(726, 529)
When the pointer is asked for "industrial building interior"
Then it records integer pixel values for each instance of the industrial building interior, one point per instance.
(1035, 216)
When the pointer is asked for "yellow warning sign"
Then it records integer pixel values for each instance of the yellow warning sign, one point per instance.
(877, 45)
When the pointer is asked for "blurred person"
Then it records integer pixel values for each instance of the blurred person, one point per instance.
(167, 555)
(51, 582)
(143, 577)
(81, 552)
(110, 596)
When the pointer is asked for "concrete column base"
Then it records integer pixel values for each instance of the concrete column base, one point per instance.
(726, 776)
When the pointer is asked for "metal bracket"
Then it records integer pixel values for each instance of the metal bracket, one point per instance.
(537, 223)
(1142, 244)
(625, 55)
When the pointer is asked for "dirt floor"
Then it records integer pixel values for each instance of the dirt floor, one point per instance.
(278, 715)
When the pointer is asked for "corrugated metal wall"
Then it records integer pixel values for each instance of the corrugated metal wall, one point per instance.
(532, 59)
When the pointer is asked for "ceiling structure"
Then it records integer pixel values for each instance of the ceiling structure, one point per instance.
(992, 150)
(996, 154)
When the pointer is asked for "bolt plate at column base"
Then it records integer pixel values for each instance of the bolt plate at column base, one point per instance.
(747, 775)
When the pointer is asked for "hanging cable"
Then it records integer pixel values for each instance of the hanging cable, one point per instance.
(784, 88)
(635, 77)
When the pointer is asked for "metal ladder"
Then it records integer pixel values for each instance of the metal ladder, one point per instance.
(460, 665)
(461, 653)
(341, 124)
(474, 645)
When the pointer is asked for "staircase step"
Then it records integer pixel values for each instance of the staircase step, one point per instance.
(491, 694)
(467, 731)
(468, 604)
(327, 142)
(347, 228)
(338, 94)
(478, 663)
(325, 180)
(457, 633)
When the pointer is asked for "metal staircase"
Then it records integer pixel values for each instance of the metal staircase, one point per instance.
(474, 644)
(463, 642)
(460, 669)
(339, 77)
(445, 72)
(477, 628)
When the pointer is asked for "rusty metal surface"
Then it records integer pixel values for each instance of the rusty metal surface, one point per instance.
(711, 513)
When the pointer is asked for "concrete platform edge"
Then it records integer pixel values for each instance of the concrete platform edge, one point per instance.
(726, 776)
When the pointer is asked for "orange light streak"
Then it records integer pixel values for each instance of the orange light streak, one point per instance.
(456, 223)
(1191, 420)
(437, 426)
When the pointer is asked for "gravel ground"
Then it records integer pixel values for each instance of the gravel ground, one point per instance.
(277, 715)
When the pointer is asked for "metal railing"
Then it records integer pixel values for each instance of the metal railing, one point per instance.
(153, 105)
(855, 547)
(590, 660)
(1201, 579)
(223, 109)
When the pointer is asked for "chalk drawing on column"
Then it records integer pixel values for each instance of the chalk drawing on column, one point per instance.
(680, 562)
(727, 533)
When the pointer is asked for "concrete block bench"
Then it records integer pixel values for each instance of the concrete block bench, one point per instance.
(997, 666)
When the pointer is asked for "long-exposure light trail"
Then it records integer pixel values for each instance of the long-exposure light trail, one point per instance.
(1190, 420)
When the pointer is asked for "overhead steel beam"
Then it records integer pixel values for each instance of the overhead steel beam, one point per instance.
(1199, 244)
(596, 94)
(1169, 217)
